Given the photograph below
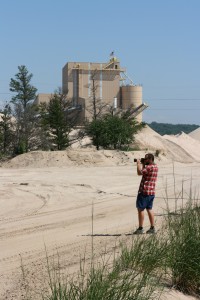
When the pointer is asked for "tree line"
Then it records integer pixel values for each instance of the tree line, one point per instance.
(25, 126)
(166, 128)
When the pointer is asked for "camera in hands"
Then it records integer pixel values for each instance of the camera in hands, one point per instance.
(141, 160)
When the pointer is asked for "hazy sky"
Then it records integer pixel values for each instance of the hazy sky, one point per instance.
(157, 41)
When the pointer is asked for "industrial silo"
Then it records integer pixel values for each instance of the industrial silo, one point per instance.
(132, 97)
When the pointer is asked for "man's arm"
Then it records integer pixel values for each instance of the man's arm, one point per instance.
(139, 167)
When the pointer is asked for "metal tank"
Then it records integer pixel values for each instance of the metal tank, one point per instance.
(132, 97)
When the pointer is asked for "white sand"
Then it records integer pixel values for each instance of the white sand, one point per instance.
(195, 134)
(46, 201)
(186, 142)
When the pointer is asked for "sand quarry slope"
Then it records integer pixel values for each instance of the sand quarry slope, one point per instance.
(180, 148)
(47, 199)
(195, 134)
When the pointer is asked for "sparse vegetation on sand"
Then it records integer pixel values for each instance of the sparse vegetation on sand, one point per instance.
(143, 269)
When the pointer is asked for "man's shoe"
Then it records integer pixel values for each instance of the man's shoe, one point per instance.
(151, 230)
(139, 231)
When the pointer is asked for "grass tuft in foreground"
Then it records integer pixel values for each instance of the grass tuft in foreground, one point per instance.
(132, 275)
(183, 258)
(143, 268)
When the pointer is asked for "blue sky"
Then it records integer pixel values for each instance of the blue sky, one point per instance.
(157, 41)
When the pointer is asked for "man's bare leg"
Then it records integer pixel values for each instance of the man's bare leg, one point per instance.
(141, 217)
(151, 216)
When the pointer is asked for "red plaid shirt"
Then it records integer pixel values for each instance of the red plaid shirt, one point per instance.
(148, 181)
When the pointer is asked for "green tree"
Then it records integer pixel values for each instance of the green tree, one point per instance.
(24, 111)
(113, 131)
(54, 121)
(96, 129)
(27, 126)
(6, 130)
(110, 127)
(25, 92)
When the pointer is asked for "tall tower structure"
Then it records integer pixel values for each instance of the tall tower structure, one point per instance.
(107, 82)
(79, 78)
(132, 97)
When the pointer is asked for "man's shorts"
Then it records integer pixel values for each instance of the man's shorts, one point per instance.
(144, 201)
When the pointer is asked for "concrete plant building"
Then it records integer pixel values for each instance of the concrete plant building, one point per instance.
(107, 82)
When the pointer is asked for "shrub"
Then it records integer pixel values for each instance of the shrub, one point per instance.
(157, 153)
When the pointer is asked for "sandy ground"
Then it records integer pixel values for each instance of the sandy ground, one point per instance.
(52, 207)
(48, 198)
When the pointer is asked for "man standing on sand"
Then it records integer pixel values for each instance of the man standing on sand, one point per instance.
(146, 193)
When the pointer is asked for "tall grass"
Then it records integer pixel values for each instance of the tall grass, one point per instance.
(183, 258)
(183, 235)
(119, 281)
(144, 267)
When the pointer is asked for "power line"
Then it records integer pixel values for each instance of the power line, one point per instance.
(150, 99)
(170, 109)
(173, 99)
(6, 93)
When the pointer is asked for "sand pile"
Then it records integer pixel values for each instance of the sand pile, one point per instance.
(72, 157)
(147, 138)
(195, 134)
(180, 148)
(190, 145)
(150, 140)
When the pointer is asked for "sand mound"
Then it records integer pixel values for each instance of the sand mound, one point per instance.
(147, 138)
(195, 134)
(190, 146)
(181, 148)
(72, 157)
